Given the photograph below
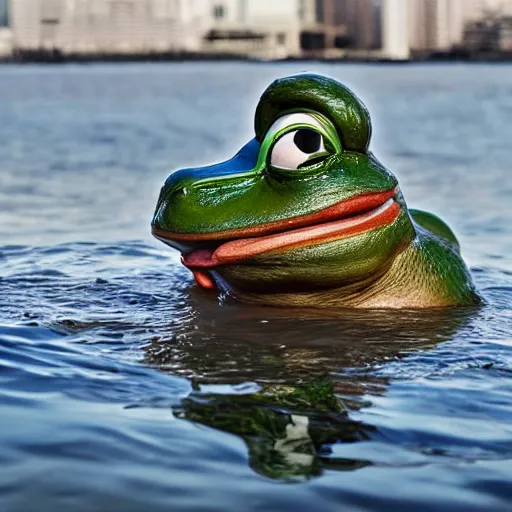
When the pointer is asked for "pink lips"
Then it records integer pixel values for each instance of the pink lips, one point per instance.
(342, 220)
(242, 249)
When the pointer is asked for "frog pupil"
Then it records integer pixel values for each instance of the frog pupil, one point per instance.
(308, 141)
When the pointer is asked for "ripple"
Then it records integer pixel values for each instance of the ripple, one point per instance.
(124, 387)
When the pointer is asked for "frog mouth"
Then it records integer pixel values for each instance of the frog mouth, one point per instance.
(345, 219)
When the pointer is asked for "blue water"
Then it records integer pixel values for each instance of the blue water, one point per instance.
(123, 387)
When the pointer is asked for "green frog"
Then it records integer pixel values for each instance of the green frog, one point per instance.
(305, 215)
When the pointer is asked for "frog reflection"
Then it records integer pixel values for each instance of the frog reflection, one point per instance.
(298, 413)
(283, 444)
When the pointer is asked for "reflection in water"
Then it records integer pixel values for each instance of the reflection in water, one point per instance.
(283, 443)
(308, 370)
(237, 342)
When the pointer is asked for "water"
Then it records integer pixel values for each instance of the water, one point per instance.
(123, 387)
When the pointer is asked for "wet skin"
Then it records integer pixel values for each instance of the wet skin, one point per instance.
(305, 215)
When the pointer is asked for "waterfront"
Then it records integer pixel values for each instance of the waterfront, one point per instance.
(116, 377)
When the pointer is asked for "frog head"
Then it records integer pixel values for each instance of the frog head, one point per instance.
(303, 208)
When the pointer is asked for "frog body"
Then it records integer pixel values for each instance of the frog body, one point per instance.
(305, 215)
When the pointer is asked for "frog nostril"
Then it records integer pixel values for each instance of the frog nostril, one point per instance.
(178, 190)
(178, 183)
(175, 187)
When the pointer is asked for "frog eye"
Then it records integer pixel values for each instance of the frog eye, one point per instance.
(298, 148)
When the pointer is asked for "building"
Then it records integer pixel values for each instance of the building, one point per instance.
(416, 27)
(4, 13)
(322, 32)
(395, 29)
(439, 25)
(290, 28)
(258, 28)
(362, 19)
(264, 28)
(5, 32)
(104, 26)
(5, 43)
(335, 27)
(505, 34)
(490, 35)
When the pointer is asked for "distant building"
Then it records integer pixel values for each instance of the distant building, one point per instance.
(4, 13)
(5, 43)
(395, 29)
(271, 28)
(103, 26)
(259, 28)
(362, 19)
(322, 30)
(493, 34)
(331, 26)
(267, 29)
(5, 32)
(505, 34)
(438, 25)
(435, 26)
(481, 36)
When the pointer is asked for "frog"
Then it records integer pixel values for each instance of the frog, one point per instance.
(305, 215)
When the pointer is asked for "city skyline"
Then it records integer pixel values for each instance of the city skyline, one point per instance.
(395, 29)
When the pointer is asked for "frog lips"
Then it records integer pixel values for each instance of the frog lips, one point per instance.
(344, 219)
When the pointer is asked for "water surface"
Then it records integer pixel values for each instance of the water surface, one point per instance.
(123, 387)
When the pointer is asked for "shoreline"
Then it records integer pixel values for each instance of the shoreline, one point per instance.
(57, 57)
